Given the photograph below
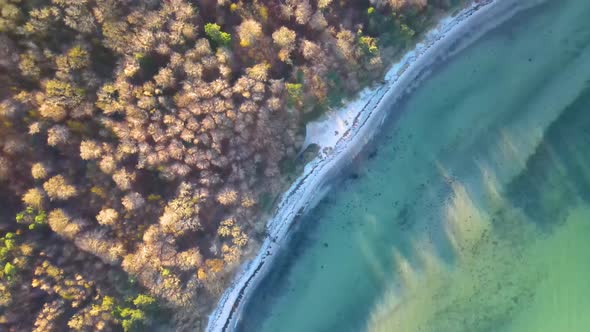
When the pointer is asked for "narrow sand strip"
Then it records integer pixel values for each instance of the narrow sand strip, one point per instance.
(356, 125)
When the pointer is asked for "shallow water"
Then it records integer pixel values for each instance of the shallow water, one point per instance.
(471, 210)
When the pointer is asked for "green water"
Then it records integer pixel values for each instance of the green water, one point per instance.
(473, 214)
(513, 271)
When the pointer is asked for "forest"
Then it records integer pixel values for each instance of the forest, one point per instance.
(143, 143)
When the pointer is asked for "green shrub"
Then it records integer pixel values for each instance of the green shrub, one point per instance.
(9, 270)
(213, 31)
(368, 44)
(144, 301)
(294, 94)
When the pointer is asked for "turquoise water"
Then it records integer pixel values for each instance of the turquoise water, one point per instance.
(470, 211)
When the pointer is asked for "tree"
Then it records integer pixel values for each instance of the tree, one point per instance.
(213, 31)
(189, 259)
(407, 32)
(107, 164)
(107, 217)
(77, 16)
(224, 229)
(34, 198)
(53, 111)
(318, 21)
(64, 93)
(345, 40)
(322, 4)
(124, 179)
(230, 253)
(312, 52)
(303, 12)
(47, 318)
(96, 316)
(227, 196)
(182, 213)
(165, 78)
(90, 150)
(133, 201)
(57, 188)
(41, 21)
(29, 65)
(132, 319)
(108, 98)
(9, 270)
(57, 135)
(76, 58)
(295, 94)
(100, 245)
(39, 171)
(10, 15)
(368, 44)
(248, 201)
(249, 32)
(258, 72)
(285, 39)
(62, 224)
(144, 301)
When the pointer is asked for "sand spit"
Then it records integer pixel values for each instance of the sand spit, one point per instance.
(343, 135)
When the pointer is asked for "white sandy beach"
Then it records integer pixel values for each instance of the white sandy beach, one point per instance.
(346, 131)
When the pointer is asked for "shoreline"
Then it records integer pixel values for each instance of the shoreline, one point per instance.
(364, 116)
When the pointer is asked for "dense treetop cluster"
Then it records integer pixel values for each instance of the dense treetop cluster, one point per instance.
(141, 142)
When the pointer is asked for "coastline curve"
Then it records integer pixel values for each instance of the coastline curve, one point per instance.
(448, 37)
